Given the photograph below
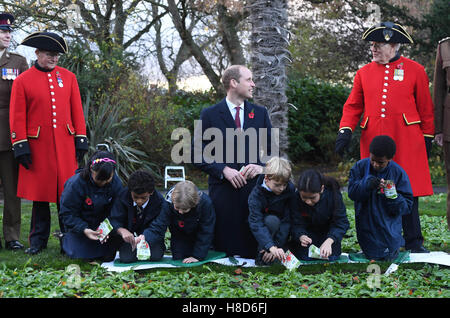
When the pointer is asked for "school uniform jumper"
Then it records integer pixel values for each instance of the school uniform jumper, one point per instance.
(264, 207)
(85, 205)
(127, 215)
(192, 233)
(319, 222)
(378, 219)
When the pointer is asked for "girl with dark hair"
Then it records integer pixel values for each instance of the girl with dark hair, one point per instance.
(85, 202)
(321, 217)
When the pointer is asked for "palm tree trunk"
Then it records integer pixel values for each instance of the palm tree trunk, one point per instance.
(269, 58)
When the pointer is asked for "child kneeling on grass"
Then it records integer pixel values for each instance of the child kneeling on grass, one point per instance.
(85, 202)
(320, 217)
(191, 220)
(137, 207)
(271, 203)
(382, 193)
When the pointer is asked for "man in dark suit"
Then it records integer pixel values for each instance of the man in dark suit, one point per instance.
(232, 159)
(12, 65)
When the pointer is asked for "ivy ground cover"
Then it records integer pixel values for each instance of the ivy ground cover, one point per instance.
(50, 274)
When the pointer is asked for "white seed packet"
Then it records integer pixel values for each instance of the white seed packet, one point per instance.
(104, 228)
(290, 262)
(314, 252)
(389, 190)
(143, 251)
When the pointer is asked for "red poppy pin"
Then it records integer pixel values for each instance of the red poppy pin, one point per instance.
(180, 223)
(88, 201)
(251, 114)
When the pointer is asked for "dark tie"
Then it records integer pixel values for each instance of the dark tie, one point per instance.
(140, 211)
(237, 119)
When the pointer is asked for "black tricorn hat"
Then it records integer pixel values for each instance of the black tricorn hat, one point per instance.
(387, 32)
(6, 21)
(47, 41)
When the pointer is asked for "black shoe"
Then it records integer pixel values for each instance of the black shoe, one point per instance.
(420, 249)
(33, 250)
(13, 245)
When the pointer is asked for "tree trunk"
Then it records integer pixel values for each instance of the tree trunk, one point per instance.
(195, 50)
(230, 39)
(269, 58)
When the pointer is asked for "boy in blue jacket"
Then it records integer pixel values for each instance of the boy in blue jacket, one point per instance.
(378, 209)
(271, 203)
(136, 208)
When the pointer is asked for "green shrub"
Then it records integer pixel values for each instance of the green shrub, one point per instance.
(313, 126)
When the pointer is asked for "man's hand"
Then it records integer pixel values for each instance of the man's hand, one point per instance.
(25, 160)
(251, 170)
(439, 139)
(343, 141)
(236, 179)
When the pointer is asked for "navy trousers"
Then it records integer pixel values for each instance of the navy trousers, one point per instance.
(412, 231)
(232, 233)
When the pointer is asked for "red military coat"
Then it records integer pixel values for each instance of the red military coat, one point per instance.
(46, 111)
(398, 106)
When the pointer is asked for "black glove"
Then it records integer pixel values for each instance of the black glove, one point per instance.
(372, 182)
(428, 145)
(343, 140)
(80, 154)
(22, 153)
(25, 160)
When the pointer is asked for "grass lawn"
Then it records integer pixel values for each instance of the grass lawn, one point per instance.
(48, 274)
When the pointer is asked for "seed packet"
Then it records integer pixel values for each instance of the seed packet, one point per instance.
(104, 228)
(389, 190)
(290, 262)
(314, 252)
(143, 251)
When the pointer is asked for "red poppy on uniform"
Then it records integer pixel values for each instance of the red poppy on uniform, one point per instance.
(88, 201)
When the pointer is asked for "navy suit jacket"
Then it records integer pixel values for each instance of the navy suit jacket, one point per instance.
(219, 116)
(230, 204)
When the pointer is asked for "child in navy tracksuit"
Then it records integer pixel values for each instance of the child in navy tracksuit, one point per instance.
(133, 212)
(270, 206)
(85, 202)
(320, 218)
